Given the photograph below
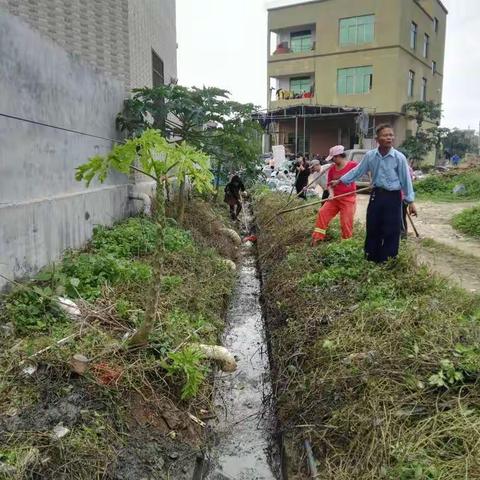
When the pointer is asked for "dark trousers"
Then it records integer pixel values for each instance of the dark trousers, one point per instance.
(234, 212)
(325, 194)
(384, 215)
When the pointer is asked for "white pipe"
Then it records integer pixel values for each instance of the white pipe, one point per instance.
(147, 202)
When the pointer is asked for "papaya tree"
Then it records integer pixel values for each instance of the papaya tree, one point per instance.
(151, 154)
(205, 118)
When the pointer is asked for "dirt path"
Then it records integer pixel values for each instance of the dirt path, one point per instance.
(452, 254)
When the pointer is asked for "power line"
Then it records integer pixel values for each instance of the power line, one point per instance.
(34, 122)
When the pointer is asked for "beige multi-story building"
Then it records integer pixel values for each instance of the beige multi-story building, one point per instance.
(131, 40)
(372, 55)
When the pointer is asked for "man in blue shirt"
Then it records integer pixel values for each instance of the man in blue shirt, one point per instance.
(390, 177)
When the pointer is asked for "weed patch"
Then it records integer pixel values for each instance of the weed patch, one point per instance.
(441, 186)
(377, 365)
(110, 281)
(468, 222)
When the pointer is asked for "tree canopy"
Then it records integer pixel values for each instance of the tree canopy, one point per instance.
(204, 117)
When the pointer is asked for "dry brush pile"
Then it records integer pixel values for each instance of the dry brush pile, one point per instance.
(378, 366)
(134, 413)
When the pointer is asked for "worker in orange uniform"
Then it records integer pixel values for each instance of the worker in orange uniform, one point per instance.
(345, 205)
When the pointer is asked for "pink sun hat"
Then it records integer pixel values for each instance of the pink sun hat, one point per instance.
(334, 151)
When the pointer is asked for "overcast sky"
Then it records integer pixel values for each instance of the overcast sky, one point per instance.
(224, 43)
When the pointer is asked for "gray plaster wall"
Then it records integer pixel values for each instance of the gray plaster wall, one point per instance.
(43, 209)
(152, 26)
(95, 30)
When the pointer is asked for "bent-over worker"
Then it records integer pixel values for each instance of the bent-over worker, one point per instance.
(345, 205)
(232, 196)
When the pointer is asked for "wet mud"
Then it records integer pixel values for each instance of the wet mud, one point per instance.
(244, 446)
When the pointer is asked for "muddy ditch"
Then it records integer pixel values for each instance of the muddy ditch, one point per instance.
(244, 444)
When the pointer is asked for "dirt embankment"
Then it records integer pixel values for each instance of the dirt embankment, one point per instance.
(134, 413)
(376, 365)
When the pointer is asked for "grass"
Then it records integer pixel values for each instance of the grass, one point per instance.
(377, 365)
(468, 222)
(440, 186)
(109, 281)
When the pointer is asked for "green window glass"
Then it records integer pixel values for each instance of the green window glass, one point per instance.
(354, 81)
(301, 41)
(357, 30)
(300, 84)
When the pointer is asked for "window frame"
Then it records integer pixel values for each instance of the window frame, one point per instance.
(310, 84)
(411, 84)
(302, 35)
(158, 69)
(413, 35)
(423, 91)
(426, 45)
(357, 26)
(434, 67)
(355, 82)
(436, 23)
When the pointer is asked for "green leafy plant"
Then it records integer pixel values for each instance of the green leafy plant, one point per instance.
(87, 273)
(187, 364)
(32, 309)
(170, 282)
(177, 239)
(160, 160)
(134, 237)
(468, 221)
(446, 376)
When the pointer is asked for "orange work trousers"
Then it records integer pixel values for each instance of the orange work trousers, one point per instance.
(346, 206)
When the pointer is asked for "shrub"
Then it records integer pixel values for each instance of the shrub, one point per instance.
(134, 237)
(32, 310)
(441, 186)
(187, 364)
(89, 272)
(468, 222)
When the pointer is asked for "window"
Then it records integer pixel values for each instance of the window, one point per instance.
(157, 70)
(301, 41)
(300, 84)
(413, 35)
(426, 45)
(423, 95)
(300, 142)
(411, 83)
(435, 24)
(357, 30)
(434, 67)
(354, 81)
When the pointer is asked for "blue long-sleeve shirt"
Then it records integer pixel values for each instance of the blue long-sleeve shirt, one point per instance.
(390, 172)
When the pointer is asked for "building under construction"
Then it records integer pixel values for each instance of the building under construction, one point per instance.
(314, 129)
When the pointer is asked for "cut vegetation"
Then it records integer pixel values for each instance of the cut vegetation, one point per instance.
(442, 186)
(376, 365)
(134, 413)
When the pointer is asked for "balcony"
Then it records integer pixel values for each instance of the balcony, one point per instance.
(294, 41)
(292, 90)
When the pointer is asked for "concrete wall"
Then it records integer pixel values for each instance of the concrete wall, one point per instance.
(114, 36)
(152, 26)
(43, 209)
(95, 30)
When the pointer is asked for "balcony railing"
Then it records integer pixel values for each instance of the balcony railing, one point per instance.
(286, 47)
(283, 94)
